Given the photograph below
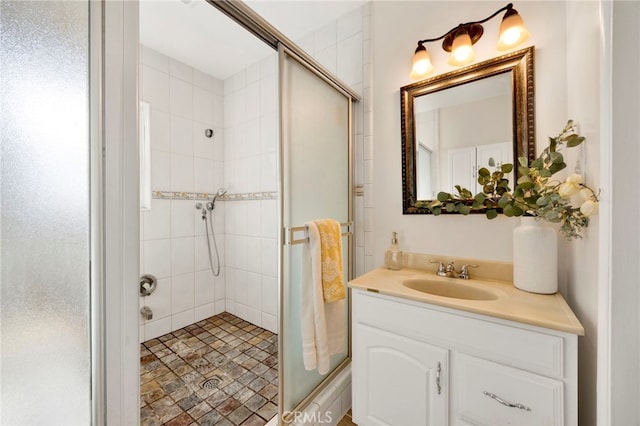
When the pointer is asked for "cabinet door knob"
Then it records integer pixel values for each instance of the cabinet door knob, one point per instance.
(438, 370)
(506, 403)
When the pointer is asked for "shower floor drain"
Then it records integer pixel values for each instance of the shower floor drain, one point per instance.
(211, 383)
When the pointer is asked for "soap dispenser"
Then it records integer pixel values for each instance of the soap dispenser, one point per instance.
(393, 255)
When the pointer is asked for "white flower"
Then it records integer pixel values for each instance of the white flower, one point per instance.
(570, 186)
(585, 194)
(589, 208)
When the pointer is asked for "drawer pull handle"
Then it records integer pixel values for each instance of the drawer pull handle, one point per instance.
(506, 403)
(438, 370)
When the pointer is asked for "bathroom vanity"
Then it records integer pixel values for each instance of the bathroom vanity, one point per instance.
(431, 350)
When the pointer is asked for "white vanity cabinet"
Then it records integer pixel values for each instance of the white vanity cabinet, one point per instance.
(415, 363)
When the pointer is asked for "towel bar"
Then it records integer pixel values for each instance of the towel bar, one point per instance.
(291, 240)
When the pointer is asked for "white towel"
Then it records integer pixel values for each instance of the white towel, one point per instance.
(323, 324)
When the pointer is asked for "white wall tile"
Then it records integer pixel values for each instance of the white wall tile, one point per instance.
(253, 100)
(154, 59)
(241, 310)
(254, 175)
(181, 135)
(203, 175)
(269, 257)
(230, 306)
(202, 105)
(157, 221)
(254, 290)
(181, 172)
(202, 80)
(254, 218)
(268, 133)
(155, 88)
(181, 70)
(306, 43)
(328, 58)
(219, 282)
(230, 282)
(181, 256)
(218, 87)
(270, 295)
(181, 96)
(239, 80)
(240, 106)
(240, 176)
(240, 252)
(182, 292)
(160, 130)
(182, 319)
(218, 111)
(203, 312)
(203, 288)
(241, 283)
(182, 219)
(253, 136)
(269, 218)
(157, 258)
(254, 316)
(153, 329)
(229, 110)
(268, 172)
(349, 24)
(325, 37)
(269, 65)
(240, 150)
(270, 322)
(253, 73)
(254, 255)
(201, 254)
(269, 94)
(348, 69)
(160, 170)
(220, 306)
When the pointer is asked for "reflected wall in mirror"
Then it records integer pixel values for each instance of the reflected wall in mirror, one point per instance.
(456, 123)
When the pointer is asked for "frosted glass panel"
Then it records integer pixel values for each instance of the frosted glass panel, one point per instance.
(316, 171)
(44, 213)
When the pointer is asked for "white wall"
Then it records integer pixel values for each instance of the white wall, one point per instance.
(567, 86)
(184, 102)
(251, 222)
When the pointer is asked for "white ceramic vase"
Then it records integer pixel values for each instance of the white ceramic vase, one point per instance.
(535, 257)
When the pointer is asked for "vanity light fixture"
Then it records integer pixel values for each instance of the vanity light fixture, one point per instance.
(460, 40)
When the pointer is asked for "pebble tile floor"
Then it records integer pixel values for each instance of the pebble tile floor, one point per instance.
(239, 359)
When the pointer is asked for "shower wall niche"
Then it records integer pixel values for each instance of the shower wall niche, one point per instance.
(186, 166)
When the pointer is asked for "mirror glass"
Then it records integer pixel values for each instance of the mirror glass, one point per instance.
(456, 123)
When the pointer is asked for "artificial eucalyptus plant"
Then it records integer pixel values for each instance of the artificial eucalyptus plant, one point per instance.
(537, 193)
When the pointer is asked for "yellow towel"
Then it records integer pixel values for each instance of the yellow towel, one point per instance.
(331, 257)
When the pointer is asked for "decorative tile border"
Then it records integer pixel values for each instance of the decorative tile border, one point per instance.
(203, 196)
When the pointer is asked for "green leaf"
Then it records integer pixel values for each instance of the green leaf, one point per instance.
(524, 171)
(497, 175)
(574, 140)
(523, 161)
(488, 189)
(556, 167)
(537, 164)
(434, 203)
(444, 196)
(507, 168)
(545, 173)
(508, 210)
(484, 172)
(480, 197)
(436, 211)
(517, 211)
(465, 210)
(556, 157)
(492, 214)
(504, 200)
(525, 186)
(542, 201)
(450, 207)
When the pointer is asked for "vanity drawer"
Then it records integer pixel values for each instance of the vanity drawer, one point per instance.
(499, 340)
(484, 389)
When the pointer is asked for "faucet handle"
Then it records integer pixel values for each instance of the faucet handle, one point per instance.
(464, 271)
(441, 270)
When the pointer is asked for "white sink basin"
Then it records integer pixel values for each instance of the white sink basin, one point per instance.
(448, 288)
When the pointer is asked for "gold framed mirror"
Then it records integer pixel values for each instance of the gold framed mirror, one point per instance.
(453, 124)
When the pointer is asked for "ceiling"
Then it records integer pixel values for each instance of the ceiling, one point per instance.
(197, 34)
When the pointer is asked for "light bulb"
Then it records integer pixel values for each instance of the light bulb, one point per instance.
(461, 50)
(512, 30)
(421, 63)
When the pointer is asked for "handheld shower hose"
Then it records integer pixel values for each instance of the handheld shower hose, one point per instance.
(210, 206)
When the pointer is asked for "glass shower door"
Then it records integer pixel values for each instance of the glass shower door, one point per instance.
(316, 167)
(45, 376)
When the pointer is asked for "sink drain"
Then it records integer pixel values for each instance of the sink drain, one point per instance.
(211, 383)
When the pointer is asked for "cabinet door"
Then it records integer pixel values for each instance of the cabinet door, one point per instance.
(397, 380)
(491, 394)
(462, 171)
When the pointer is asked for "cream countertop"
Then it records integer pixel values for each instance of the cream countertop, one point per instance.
(549, 311)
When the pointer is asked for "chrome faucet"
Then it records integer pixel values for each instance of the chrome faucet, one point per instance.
(450, 270)
(464, 271)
